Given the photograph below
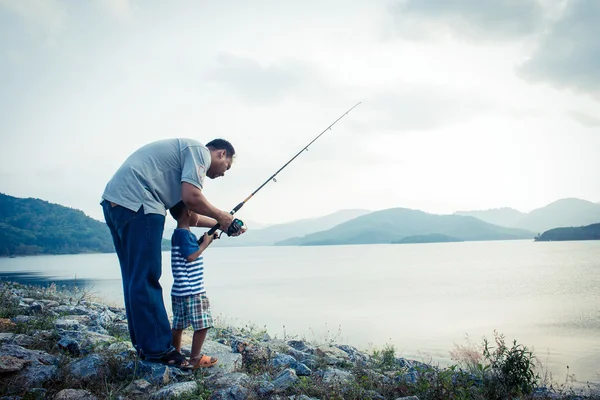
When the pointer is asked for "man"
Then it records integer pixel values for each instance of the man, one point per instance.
(151, 180)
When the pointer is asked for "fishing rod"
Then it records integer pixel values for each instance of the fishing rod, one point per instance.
(238, 222)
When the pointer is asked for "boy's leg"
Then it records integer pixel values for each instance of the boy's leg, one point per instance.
(201, 322)
(177, 333)
(197, 342)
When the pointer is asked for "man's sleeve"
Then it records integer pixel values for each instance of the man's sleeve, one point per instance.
(188, 245)
(194, 161)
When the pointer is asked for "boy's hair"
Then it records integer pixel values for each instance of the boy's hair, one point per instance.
(177, 210)
(222, 144)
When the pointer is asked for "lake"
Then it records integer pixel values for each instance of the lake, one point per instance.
(421, 298)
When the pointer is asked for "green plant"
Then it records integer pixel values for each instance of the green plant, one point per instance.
(512, 370)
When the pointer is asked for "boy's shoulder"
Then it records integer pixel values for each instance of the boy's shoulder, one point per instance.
(182, 234)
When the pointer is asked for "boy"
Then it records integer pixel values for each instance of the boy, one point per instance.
(189, 302)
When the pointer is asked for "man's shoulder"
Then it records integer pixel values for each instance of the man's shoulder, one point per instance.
(189, 142)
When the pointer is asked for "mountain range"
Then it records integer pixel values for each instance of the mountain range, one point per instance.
(396, 224)
(566, 212)
(24, 227)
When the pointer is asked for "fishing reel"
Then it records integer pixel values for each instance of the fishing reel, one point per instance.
(235, 227)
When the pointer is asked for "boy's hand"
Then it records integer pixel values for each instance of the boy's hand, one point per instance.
(208, 239)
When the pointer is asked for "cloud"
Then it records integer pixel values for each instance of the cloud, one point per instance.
(569, 54)
(421, 107)
(255, 81)
(585, 119)
(119, 9)
(40, 16)
(474, 19)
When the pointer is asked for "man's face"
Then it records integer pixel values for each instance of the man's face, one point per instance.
(220, 163)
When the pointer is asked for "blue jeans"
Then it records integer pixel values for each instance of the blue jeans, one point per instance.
(137, 238)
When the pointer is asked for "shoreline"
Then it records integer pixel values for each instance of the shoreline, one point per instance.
(57, 343)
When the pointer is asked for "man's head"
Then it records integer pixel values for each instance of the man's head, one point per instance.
(222, 154)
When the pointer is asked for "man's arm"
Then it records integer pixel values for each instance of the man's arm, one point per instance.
(194, 199)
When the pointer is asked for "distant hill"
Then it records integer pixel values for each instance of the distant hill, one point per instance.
(588, 232)
(505, 216)
(270, 235)
(394, 224)
(32, 226)
(561, 213)
(430, 238)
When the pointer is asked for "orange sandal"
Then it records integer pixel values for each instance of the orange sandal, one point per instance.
(204, 362)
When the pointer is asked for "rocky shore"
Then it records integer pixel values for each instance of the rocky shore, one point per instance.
(59, 344)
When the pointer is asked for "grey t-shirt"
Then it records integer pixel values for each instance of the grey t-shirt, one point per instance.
(152, 175)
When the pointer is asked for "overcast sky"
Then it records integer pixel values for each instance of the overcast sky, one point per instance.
(465, 104)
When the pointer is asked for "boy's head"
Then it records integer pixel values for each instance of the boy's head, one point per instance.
(178, 211)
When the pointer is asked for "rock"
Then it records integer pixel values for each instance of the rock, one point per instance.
(37, 375)
(286, 361)
(231, 393)
(121, 347)
(354, 354)
(73, 310)
(373, 395)
(23, 319)
(334, 376)
(265, 388)
(332, 355)
(12, 364)
(36, 357)
(139, 386)
(284, 380)
(6, 337)
(228, 361)
(74, 394)
(82, 319)
(49, 303)
(120, 328)
(298, 345)
(98, 329)
(226, 380)
(410, 377)
(35, 308)
(87, 368)
(24, 340)
(70, 345)
(6, 324)
(175, 390)
(156, 373)
(103, 318)
(68, 324)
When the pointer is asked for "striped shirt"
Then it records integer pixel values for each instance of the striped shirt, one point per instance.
(188, 277)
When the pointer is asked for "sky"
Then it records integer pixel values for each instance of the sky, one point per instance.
(465, 105)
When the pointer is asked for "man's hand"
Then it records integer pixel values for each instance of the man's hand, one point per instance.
(224, 220)
(237, 228)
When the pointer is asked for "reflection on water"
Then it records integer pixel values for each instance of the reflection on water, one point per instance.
(36, 278)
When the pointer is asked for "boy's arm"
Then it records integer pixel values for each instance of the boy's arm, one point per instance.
(205, 243)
